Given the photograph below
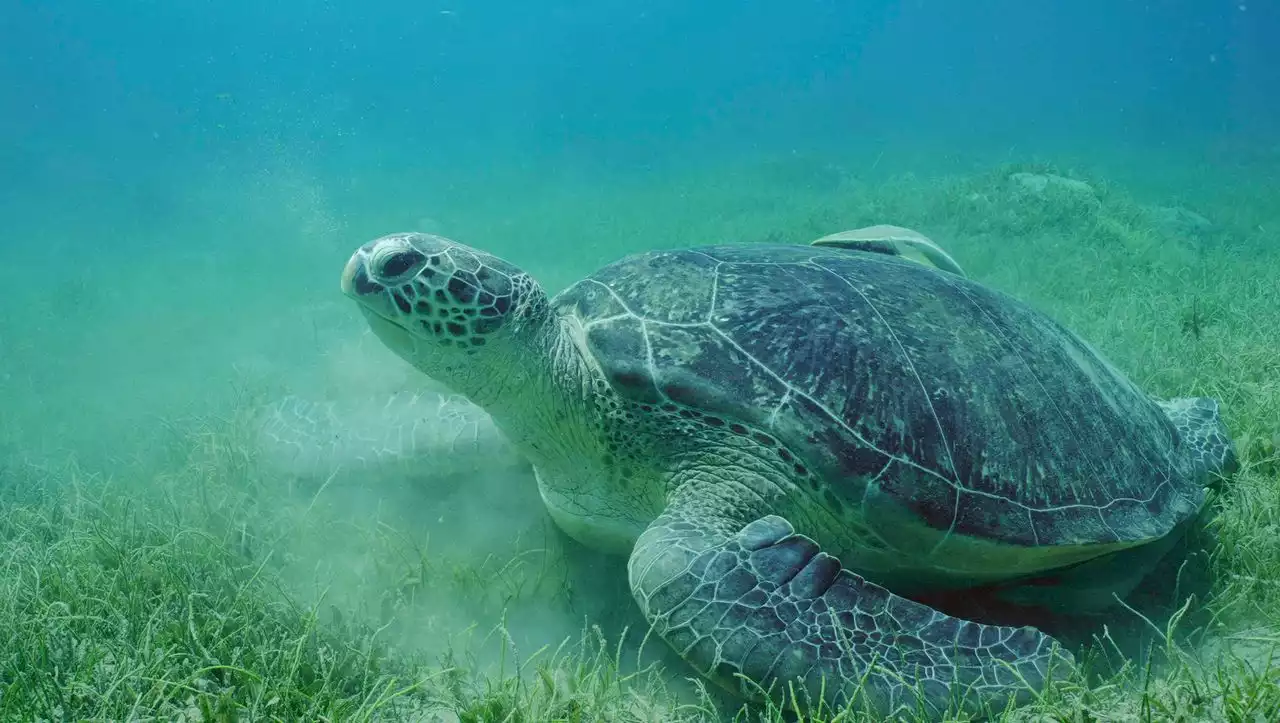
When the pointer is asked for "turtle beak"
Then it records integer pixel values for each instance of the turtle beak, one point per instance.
(373, 298)
(355, 280)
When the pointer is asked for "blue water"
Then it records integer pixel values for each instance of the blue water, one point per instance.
(103, 93)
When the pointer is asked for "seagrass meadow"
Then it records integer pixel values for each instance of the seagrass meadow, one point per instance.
(154, 566)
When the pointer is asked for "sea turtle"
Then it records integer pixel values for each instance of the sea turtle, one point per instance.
(794, 444)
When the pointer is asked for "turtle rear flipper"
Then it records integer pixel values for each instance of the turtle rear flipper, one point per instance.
(1203, 436)
(893, 241)
(763, 612)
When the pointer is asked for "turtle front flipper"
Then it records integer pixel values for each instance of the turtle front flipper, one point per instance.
(1203, 437)
(762, 611)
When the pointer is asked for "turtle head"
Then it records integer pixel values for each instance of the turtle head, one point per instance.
(454, 312)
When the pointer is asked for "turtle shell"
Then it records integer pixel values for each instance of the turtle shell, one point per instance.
(897, 385)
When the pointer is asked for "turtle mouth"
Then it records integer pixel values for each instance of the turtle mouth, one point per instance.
(353, 269)
(373, 297)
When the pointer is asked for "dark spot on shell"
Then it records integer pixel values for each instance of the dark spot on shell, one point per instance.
(477, 341)
(441, 297)
(434, 261)
(687, 414)
(725, 670)
(423, 306)
(456, 329)
(436, 328)
(858, 461)
(714, 421)
(484, 298)
(446, 342)
(764, 439)
(801, 470)
(669, 408)
(784, 454)
(488, 311)
(502, 304)
(681, 394)
(630, 380)
(402, 303)
(737, 429)
(407, 290)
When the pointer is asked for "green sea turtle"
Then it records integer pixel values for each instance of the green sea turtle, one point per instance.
(794, 444)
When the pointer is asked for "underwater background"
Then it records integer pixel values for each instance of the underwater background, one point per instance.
(207, 507)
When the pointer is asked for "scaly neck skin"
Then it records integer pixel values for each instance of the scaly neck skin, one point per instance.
(533, 384)
(537, 389)
(545, 403)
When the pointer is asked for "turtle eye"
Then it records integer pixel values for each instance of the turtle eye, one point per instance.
(395, 264)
